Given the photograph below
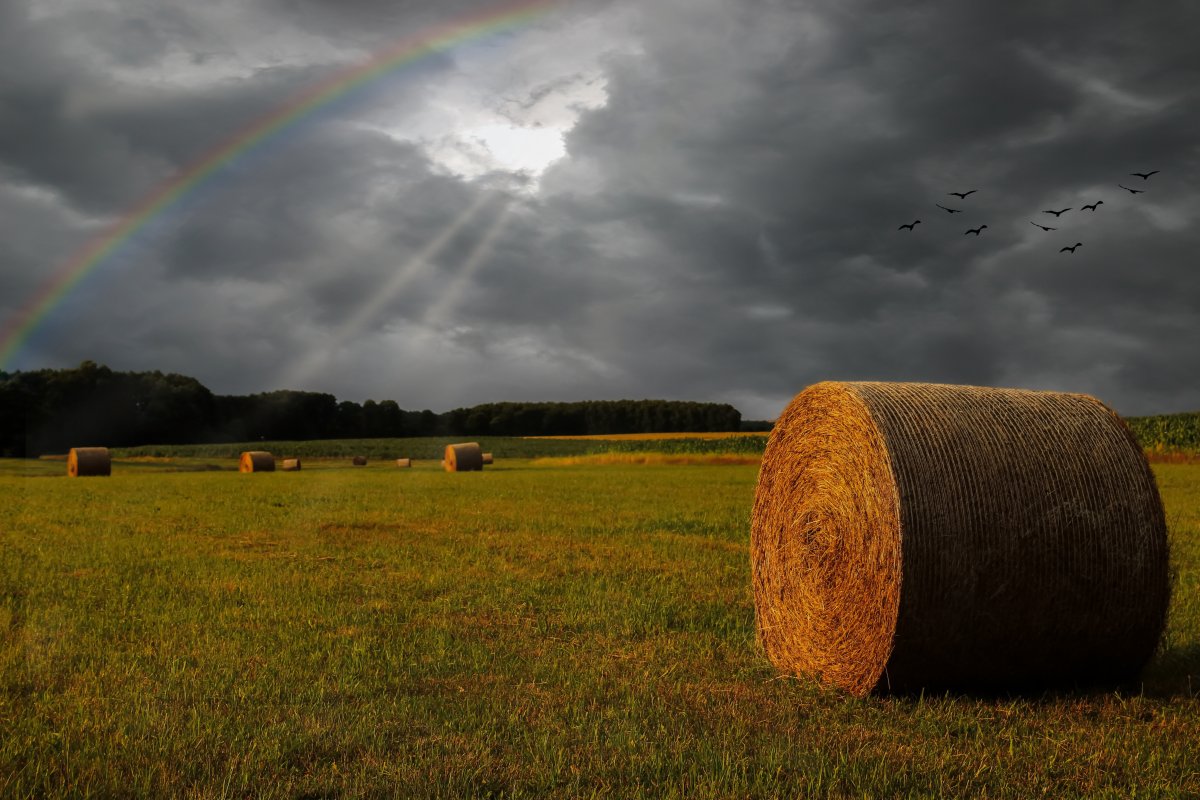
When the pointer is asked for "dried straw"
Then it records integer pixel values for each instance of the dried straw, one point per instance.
(463, 457)
(291, 465)
(923, 536)
(404, 462)
(359, 461)
(487, 458)
(256, 461)
(87, 461)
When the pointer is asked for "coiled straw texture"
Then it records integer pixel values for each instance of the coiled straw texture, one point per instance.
(466, 457)
(911, 536)
(87, 461)
(256, 461)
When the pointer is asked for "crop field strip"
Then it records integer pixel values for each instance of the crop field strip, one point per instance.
(525, 631)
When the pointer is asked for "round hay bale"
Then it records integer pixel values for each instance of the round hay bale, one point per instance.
(463, 457)
(290, 465)
(359, 461)
(912, 536)
(256, 461)
(404, 462)
(87, 461)
(487, 458)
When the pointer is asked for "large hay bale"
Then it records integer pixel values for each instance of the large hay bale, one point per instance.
(88, 461)
(487, 458)
(256, 461)
(404, 462)
(463, 457)
(290, 465)
(914, 535)
(359, 461)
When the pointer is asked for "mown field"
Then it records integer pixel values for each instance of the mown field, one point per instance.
(535, 630)
(432, 447)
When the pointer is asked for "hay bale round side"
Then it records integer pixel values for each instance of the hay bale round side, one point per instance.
(256, 461)
(404, 462)
(359, 461)
(467, 457)
(88, 461)
(911, 536)
(290, 465)
(487, 458)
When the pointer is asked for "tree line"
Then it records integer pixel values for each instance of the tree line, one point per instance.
(52, 410)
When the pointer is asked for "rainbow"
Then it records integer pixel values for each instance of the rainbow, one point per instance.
(21, 325)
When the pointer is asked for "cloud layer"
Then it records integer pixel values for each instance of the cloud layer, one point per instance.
(720, 222)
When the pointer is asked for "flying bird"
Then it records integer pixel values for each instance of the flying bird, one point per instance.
(1043, 227)
(963, 195)
(909, 225)
(948, 210)
(1071, 249)
(1132, 191)
(1144, 175)
(1058, 213)
(1092, 207)
(975, 230)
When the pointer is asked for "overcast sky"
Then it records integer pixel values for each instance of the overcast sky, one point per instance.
(683, 199)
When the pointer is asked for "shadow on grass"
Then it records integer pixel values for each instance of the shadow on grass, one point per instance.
(1172, 674)
(1175, 672)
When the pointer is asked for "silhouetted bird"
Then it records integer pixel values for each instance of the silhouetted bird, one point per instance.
(963, 195)
(975, 230)
(1144, 175)
(1092, 207)
(909, 225)
(1043, 227)
(1071, 249)
(1058, 213)
(948, 210)
(1132, 191)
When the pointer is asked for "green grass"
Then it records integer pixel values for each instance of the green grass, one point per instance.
(521, 632)
(432, 447)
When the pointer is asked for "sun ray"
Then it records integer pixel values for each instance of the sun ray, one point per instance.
(478, 255)
(313, 361)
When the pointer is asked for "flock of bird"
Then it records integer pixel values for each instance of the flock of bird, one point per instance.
(1070, 248)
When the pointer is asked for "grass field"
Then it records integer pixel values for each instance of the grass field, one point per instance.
(534, 630)
(431, 447)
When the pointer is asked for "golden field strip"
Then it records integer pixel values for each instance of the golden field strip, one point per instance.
(649, 437)
(534, 630)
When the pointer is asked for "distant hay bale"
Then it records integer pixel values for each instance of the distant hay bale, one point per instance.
(359, 461)
(88, 461)
(463, 457)
(290, 465)
(487, 458)
(256, 461)
(403, 462)
(911, 536)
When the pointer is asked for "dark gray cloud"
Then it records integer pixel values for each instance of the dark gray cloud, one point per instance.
(723, 225)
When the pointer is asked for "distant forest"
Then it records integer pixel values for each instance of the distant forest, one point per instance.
(50, 411)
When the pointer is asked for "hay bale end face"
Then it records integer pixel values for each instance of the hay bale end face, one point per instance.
(359, 461)
(290, 465)
(487, 458)
(466, 457)
(911, 536)
(88, 461)
(404, 462)
(256, 461)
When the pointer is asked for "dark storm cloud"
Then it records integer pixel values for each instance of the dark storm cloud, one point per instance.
(723, 226)
(842, 136)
